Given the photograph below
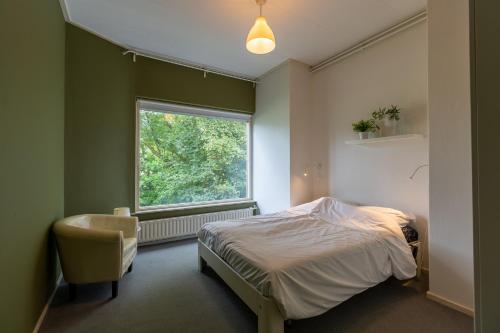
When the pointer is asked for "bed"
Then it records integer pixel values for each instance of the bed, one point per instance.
(301, 262)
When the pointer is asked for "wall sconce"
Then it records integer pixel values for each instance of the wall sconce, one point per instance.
(417, 169)
(312, 169)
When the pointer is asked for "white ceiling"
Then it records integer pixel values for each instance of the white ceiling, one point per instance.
(213, 32)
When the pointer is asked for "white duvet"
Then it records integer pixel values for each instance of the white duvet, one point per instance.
(312, 257)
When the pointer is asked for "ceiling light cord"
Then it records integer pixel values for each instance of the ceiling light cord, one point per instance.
(260, 3)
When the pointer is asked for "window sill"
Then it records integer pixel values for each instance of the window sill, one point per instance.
(152, 214)
(189, 207)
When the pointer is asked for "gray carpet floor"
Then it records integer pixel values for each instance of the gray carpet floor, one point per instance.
(166, 293)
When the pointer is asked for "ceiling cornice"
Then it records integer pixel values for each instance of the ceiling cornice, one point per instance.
(64, 8)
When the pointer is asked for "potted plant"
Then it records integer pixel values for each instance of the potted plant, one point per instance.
(392, 117)
(378, 116)
(364, 128)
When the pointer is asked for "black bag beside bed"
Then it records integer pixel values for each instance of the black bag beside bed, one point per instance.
(411, 234)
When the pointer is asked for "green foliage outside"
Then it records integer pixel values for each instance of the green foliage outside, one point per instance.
(186, 159)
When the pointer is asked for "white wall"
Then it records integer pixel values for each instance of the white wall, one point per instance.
(450, 234)
(281, 137)
(300, 133)
(303, 121)
(271, 141)
(393, 71)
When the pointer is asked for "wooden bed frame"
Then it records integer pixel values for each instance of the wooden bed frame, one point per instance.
(269, 317)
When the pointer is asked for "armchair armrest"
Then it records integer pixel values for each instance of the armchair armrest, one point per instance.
(89, 255)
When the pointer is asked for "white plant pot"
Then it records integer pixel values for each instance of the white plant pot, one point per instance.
(380, 126)
(390, 127)
(363, 135)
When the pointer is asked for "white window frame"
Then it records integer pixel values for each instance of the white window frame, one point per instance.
(165, 107)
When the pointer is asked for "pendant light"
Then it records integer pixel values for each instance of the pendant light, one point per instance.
(260, 39)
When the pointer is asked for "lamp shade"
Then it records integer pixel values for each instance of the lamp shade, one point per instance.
(260, 39)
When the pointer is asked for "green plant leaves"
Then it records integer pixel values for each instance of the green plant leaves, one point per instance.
(370, 125)
(393, 112)
(364, 126)
(379, 114)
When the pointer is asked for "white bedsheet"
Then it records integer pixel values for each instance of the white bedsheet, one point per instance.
(312, 257)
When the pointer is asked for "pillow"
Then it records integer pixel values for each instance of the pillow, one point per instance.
(401, 217)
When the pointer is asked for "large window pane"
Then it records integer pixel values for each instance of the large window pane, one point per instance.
(191, 159)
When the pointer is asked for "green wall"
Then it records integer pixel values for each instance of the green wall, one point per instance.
(32, 36)
(485, 74)
(101, 89)
(67, 103)
(99, 125)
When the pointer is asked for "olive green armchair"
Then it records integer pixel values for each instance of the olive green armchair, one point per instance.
(96, 248)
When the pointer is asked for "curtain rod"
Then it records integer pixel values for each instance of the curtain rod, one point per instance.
(205, 70)
(403, 25)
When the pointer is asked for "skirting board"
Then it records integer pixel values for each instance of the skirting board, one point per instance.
(453, 305)
(46, 307)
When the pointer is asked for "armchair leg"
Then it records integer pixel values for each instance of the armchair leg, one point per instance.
(72, 291)
(114, 289)
(130, 267)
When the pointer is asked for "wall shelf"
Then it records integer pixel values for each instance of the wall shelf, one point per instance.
(384, 139)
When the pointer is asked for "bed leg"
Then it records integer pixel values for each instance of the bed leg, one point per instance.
(419, 260)
(270, 319)
(201, 263)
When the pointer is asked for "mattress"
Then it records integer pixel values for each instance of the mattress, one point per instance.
(312, 257)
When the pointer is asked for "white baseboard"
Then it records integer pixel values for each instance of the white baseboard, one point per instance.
(47, 305)
(451, 304)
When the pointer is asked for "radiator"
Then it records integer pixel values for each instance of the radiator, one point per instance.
(173, 228)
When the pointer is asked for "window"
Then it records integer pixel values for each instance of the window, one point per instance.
(190, 156)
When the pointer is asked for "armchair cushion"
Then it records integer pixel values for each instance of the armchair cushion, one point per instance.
(126, 224)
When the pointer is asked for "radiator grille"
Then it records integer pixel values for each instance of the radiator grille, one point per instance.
(185, 226)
